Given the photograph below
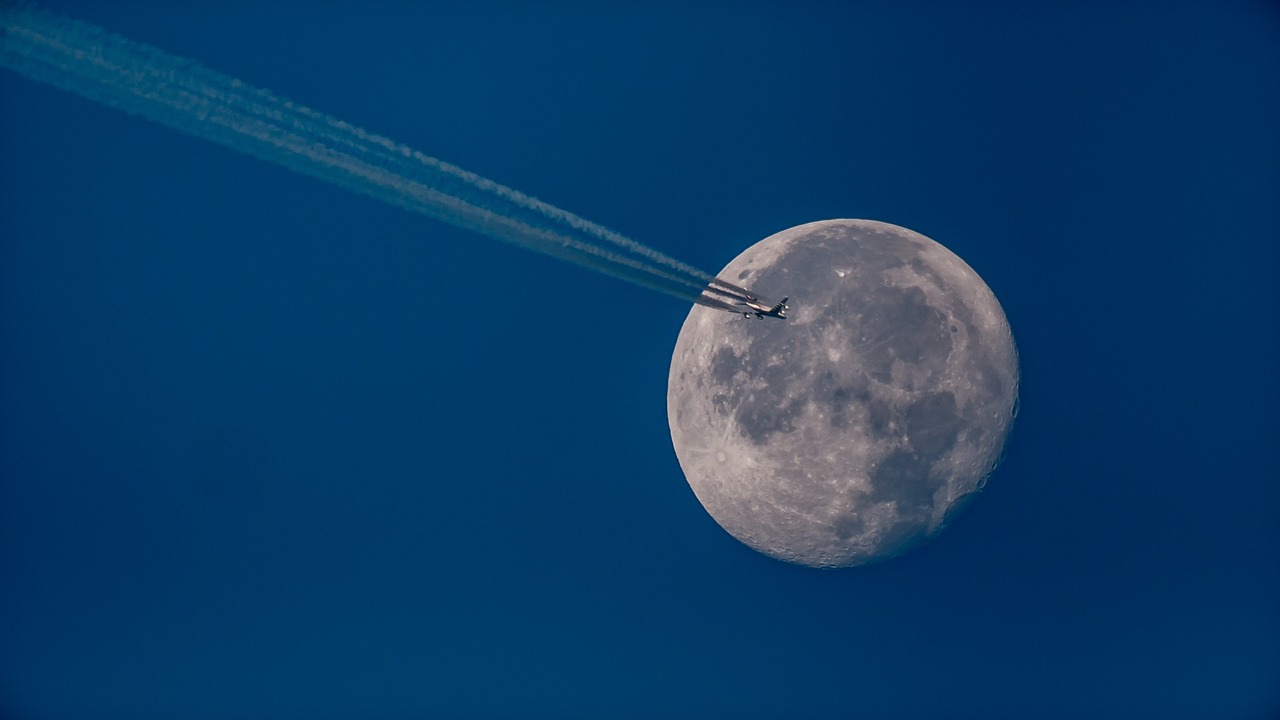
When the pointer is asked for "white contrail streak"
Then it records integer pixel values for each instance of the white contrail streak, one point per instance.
(146, 81)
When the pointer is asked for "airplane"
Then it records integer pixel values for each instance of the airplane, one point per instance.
(760, 310)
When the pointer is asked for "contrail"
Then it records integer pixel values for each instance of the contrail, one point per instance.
(717, 304)
(148, 82)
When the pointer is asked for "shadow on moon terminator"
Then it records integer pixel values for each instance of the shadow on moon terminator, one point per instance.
(854, 430)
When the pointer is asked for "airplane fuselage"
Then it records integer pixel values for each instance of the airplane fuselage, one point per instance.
(759, 310)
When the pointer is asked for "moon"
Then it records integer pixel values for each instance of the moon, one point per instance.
(857, 427)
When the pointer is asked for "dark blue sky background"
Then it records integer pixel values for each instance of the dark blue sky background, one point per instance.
(271, 449)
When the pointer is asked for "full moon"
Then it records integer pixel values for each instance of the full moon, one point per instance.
(857, 427)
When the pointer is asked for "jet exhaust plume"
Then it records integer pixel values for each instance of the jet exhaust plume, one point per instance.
(728, 289)
(717, 304)
(182, 94)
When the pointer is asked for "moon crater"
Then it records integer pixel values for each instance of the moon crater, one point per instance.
(853, 430)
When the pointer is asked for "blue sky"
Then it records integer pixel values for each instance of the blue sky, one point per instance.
(271, 449)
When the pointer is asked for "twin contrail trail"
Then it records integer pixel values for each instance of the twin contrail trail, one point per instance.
(148, 82)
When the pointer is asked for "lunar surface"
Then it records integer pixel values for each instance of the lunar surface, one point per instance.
(854, 429)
